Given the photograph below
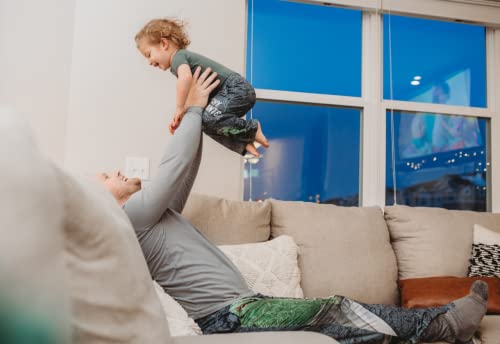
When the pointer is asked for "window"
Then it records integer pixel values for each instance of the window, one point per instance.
(315, 52)
(413, 91)
(440, 161)
(314, 155)
(434, 61)
(304, 48)
(435, 160)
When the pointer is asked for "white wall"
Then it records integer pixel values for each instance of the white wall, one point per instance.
(35, 58)
(120, 106)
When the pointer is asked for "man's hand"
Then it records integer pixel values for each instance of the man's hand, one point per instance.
(201, 86)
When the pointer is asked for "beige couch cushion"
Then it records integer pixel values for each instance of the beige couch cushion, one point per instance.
(227, 222)
(489, 330)
(343, 251)
(33, 297)
(113, 298)
(433, 241)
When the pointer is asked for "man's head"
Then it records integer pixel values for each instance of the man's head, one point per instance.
(120, 186)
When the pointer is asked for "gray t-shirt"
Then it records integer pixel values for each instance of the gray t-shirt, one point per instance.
(186, 264)
(195, 60)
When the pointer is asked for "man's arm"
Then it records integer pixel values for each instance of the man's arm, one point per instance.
(146, 207)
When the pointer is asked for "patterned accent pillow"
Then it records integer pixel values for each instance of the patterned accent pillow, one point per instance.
(270, 268)
(485, 260)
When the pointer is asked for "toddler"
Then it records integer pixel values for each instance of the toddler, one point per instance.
(163, 42)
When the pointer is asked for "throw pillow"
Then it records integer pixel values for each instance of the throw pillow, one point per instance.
(438, 291)
(179, 323)
(227, 222)
(269, 267)
(485, 260)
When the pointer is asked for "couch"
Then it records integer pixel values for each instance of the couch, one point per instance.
(69, 254)
(359, 252)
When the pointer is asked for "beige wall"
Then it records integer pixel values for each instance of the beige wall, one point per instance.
(120, 106)
(35, 59)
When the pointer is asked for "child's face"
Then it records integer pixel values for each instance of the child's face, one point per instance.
(158, 55)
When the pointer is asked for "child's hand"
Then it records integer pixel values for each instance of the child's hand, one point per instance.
(176, 121)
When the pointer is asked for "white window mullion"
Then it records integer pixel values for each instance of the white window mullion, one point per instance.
(437, 108)
(309, 98)
(365, 5)
(482, 12)
(488, 14)
(493, 86)
(372, 165)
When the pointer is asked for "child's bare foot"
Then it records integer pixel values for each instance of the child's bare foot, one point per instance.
(252, 150)
(259, 136)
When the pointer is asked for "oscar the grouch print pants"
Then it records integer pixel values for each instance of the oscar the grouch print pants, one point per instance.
(345, 320)
(221, 119)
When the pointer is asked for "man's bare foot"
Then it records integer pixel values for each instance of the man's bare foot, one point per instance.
(259, 136)
(252, 150)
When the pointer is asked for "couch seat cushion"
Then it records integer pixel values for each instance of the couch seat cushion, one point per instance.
(490, 329)
(344, 251)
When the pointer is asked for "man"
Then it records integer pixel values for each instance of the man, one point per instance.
(211, 289)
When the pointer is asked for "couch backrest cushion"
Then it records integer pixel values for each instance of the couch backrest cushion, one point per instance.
(34, 302)
(227, 222)
(433, 241)
(342, 250)
(113, 299)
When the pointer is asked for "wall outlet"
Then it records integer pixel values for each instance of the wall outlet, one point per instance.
(137, 167)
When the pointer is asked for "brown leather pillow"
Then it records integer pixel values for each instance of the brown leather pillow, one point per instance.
(438, 291)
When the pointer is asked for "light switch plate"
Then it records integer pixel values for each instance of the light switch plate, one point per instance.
(137, 167)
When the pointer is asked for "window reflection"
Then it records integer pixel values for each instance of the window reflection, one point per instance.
(440, 161)
(427, 54)
(314, 155)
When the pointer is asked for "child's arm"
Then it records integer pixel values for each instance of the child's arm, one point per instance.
(184, 78)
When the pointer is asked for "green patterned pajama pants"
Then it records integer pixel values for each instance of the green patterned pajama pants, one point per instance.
(221, 119)
(347, 321)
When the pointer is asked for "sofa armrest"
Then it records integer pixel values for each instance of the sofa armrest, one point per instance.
(490, 329)
(298, 337)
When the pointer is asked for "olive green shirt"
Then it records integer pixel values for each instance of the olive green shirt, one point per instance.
(195, 60)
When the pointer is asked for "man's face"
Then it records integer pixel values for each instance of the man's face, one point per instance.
(119, 185)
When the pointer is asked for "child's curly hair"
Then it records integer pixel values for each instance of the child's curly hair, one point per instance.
(171, 29)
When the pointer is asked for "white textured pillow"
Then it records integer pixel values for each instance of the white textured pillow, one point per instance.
(270, 268)
(179, 323)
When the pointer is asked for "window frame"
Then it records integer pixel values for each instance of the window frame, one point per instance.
(373, 107)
